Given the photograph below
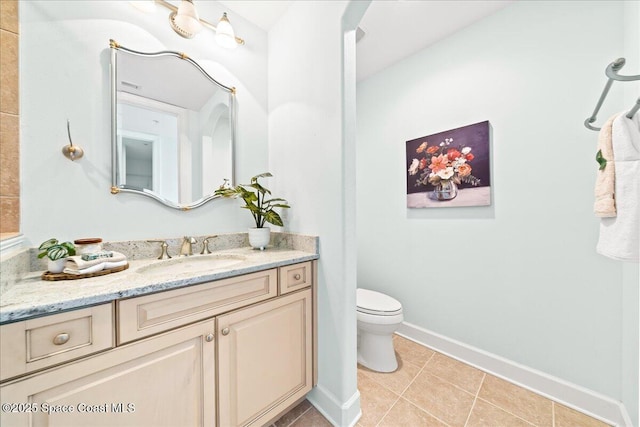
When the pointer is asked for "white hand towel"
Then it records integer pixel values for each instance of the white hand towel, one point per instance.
(77, 263)
(104, 265)
(620, 236)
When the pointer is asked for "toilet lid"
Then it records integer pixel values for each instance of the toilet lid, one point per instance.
(373, 302)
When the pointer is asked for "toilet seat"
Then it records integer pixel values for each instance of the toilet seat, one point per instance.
(376, 303)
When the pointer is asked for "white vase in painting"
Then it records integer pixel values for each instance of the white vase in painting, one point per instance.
(259, 237)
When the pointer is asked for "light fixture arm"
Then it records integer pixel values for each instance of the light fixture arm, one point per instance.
(202, 21)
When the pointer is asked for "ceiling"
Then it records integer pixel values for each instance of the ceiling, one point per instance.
(394, 29)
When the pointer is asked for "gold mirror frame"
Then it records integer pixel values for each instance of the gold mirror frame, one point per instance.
(118, 187)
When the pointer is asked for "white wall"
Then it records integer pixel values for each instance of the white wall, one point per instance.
(311, 156)
(519, 279)
(64, 73)
(631, 272)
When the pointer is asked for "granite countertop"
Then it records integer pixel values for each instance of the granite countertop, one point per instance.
(31, 296)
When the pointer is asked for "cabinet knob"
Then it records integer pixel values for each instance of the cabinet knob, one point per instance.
(297, 276)
(61, 338)
(209, 338)
(225, 331)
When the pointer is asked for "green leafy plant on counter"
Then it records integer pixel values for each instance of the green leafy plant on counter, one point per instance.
(257, 200)
(55, 250)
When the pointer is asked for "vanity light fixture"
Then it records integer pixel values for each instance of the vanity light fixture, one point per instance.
(225, 36)
(186, 22)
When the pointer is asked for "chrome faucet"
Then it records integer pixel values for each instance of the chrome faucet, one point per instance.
(187, 246)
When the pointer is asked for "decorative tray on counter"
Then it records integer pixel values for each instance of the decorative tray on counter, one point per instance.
(66, 276)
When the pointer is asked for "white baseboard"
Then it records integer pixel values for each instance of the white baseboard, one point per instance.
(584, 400)
(339, 414)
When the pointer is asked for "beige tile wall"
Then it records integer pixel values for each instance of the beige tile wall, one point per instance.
(9, 120)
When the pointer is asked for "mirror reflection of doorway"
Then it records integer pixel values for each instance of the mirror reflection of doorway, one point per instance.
(138, 159)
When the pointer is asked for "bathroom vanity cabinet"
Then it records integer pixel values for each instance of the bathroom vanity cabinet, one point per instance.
(231, 352)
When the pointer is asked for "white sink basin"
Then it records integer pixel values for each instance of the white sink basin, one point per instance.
(192, 264)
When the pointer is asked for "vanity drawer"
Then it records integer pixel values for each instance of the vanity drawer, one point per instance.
(35, 344)
(294, 277)
(151, 314)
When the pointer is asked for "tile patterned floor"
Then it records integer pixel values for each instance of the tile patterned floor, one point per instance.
(303, 415)
(430, 389)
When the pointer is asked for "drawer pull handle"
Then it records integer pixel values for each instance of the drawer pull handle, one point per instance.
(61, 338)
(209, 338)
(225, 331)
(297, 276)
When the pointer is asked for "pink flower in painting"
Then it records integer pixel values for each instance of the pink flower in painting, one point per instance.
(438, 163)
(453, 154)
(443, 163)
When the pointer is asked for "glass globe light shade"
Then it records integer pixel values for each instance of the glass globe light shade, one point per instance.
(187, 17)
(225, 36)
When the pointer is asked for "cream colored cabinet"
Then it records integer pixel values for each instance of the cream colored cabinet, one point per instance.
(264, 359)
(295, 277)
(35, 344)
(167, 380)
(164, 359)
(147, 315)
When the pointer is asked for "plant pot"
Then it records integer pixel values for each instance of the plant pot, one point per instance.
(56, 266)
(259, 237)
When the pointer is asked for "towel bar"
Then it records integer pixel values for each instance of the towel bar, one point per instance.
(612, 73)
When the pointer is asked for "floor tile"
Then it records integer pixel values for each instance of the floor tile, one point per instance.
(411, 352)
(311, 418)
(396, 381)
(404, 413)
(440, 398)
(484, 414)
(293, 414)
(567, 417)
(518, 401)
(375, 400)
(457, 373)
(442, 392)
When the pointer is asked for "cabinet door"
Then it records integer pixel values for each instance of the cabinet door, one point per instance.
(264, 359)
(167, 380)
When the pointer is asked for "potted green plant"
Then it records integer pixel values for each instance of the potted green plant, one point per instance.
(57, 253)
(258, 200)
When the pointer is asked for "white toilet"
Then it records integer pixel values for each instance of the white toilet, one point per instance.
(379, 316)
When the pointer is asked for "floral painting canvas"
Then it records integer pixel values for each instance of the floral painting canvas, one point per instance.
(450, 168)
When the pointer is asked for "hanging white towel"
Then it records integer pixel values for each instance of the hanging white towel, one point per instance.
(620, 236)
(605, 203)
